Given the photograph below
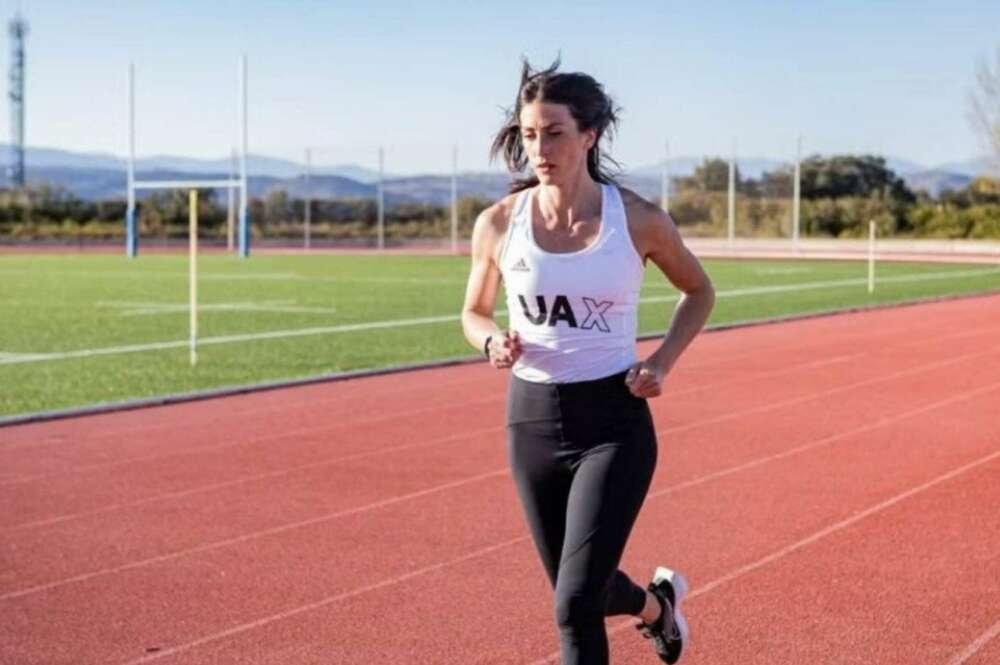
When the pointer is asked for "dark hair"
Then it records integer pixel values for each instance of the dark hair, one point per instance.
(589, 105)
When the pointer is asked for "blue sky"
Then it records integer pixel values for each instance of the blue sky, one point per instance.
(343, 77)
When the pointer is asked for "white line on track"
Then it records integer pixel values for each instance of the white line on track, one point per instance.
(977, 644)
(483, 476)
(242, 628)
(449, 318)
(774, 556)
(319, 519)
(809, 540)
(313, 431)
(476, 434)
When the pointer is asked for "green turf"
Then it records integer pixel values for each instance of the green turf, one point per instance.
(67, 303)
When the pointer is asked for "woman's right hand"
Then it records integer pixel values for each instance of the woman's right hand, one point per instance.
(505, 349)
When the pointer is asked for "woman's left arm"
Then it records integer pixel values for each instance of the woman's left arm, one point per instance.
(656, 237)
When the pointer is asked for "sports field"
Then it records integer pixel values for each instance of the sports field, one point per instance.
(87, 329)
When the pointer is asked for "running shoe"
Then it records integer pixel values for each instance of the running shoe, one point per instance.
(670, 631)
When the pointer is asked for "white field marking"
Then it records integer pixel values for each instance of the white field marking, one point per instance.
(19, 357)
(687, 365)
(373, 325)
(263, 621)
(489, 474)
(384, 280)
(976, 645)
(815, 537)
(246, 337)
(152, 308)
(216, 276)
(837, 283)
(139, 274)
(780, 270)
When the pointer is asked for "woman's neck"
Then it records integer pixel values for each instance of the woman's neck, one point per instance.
(568, 202)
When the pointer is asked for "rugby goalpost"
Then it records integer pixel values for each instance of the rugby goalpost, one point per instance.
(230, 184)
(236, 182)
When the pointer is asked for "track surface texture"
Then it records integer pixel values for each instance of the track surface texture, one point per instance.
(829, 487)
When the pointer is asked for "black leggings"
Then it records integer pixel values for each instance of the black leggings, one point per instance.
(582, 456)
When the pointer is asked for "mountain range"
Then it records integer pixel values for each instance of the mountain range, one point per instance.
(96, 176)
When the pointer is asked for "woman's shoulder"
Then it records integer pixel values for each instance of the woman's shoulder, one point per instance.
(639, 210)
(649, 225)
(492, 223)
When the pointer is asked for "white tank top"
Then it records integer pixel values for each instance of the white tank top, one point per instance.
(575, 311)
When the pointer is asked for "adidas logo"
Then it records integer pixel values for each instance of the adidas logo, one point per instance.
(521, 265)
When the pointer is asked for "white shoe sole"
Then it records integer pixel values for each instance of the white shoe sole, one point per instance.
(680, 586)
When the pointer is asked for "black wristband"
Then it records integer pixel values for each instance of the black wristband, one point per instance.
(486, 346)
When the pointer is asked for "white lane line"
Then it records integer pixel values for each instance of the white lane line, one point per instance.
(977, 644)
(475, 435)
(254, 535)
(242, 628)
(313, 431)
(489, 474)
(263, 621)
(809, 540)
(447, 318)
(310, 431)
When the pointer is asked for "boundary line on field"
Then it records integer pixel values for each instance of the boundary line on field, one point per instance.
(444, 318)
(230, 391)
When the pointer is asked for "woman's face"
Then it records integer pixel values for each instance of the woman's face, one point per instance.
(556, 149)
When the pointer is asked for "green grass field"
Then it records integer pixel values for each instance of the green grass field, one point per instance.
(86, 329)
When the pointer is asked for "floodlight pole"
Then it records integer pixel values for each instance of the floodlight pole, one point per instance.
(308, 201)
(381, 199)
(796, 194)
(454, 199)
(193, 274)
(871, 256)
(732, 198)
(231, 203)
(244, 222)
(131, 237)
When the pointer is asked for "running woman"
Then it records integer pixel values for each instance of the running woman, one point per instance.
(570, 246)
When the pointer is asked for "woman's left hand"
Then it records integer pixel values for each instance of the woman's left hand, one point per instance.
(645, 379)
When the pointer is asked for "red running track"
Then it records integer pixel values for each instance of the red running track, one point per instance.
(829, 486)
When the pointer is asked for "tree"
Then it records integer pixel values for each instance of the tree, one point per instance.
(711, 176)
(852, 175)
(984, 105)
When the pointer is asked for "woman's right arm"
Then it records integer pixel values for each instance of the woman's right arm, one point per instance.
(484, 283)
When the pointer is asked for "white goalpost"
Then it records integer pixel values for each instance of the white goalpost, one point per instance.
(232, 183)
(237, 182)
